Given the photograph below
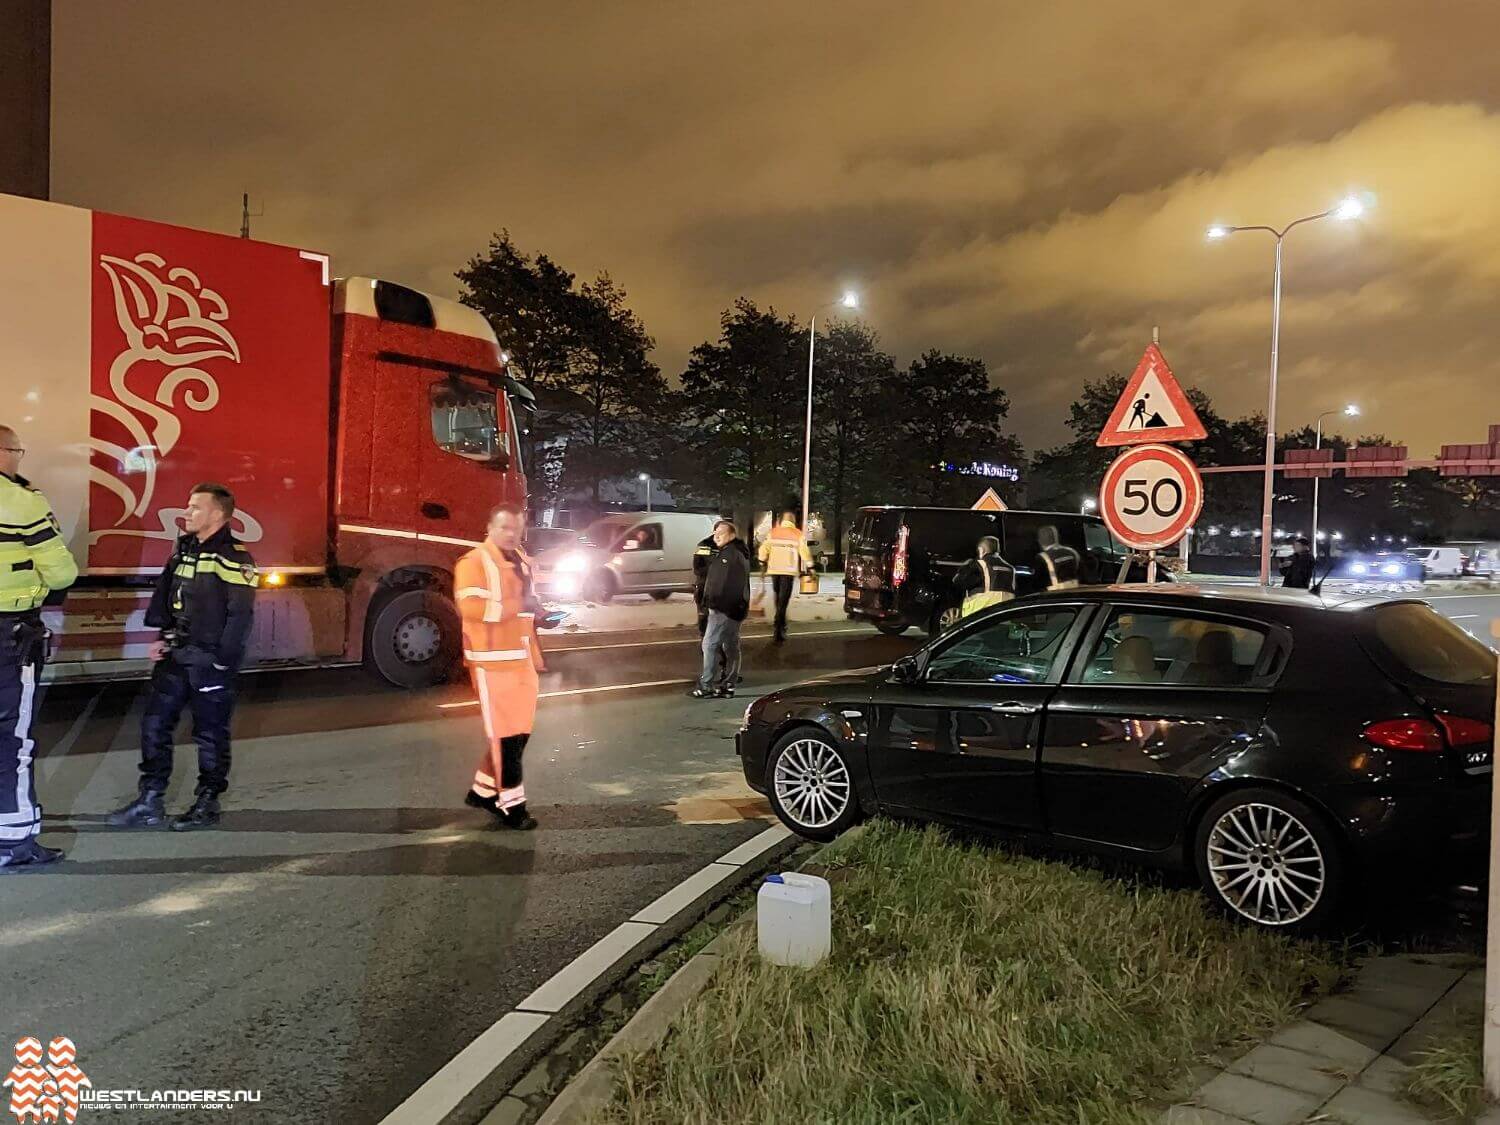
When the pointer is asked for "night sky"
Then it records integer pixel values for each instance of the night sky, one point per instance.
(1028, 183)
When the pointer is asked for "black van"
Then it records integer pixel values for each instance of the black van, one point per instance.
(902, 561)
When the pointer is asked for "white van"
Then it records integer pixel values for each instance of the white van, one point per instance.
(1439, 562)
(625, 553)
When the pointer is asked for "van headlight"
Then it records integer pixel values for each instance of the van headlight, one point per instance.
(576, 562)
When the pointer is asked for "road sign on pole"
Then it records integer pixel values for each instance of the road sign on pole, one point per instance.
(1153, 408)
(1150, 496)
(989, 502)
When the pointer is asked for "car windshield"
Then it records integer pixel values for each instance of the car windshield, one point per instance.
(1421, 643)
(605, 533)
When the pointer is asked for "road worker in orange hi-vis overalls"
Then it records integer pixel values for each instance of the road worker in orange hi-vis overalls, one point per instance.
(492, 586)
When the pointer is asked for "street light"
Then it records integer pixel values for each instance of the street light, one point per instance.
(850, 300)
(1089, 505)
(647, 478)
(1349, 208)
(1350, 411)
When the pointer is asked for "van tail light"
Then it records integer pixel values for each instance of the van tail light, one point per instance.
(1405, 734)
(1465, 732)
(898, 562)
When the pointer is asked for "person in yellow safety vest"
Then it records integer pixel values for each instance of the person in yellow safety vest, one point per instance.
(498, 604)
(34, 561)
(987, 579)
(1061, 563)
(784, 555)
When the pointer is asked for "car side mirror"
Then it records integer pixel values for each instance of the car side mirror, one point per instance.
(907, 670)
(499, 461)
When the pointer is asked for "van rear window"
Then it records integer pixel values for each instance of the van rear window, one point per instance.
(1420, 643)
(873, 532)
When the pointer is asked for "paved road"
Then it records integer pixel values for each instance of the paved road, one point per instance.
(352, 926)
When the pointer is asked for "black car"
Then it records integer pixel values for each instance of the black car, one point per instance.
(902, 561)
(1276, 747)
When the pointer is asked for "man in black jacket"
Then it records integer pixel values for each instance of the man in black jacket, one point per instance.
(1297, 572)
(701, 556)
(203, 605)
(726, 595)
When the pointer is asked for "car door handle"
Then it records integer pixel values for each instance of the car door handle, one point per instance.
(1015, 708)
(435, 511)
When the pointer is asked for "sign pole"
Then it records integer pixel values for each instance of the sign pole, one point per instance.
(1150, 568)
(1492, 935)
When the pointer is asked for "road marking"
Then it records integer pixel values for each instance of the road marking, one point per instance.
(441, 1094)
(575, 691)
(697, 640)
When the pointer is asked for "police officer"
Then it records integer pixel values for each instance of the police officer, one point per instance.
(985, 580)
(1060, 563)
(203, 604)
(34, 561)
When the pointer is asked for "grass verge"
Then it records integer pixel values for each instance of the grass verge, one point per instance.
(1448, 1076)
(971, 984)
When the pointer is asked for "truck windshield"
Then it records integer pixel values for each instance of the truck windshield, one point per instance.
(1098, 538)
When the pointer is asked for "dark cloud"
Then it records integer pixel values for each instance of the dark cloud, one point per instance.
(1029, 184)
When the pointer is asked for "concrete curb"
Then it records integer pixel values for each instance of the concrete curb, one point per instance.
(594, 1086)
(470, 1085)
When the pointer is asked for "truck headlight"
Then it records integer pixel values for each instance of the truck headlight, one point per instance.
(574, 563)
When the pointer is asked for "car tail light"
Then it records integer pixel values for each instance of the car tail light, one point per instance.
(898, 563)
(1405, 734)
(1465, 732)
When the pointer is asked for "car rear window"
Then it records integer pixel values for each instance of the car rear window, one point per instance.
(1421, 643)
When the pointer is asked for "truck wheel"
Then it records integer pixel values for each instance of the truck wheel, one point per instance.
(414, 638)
(600, 588)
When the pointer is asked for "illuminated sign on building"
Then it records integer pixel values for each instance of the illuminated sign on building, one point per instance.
(982, 469)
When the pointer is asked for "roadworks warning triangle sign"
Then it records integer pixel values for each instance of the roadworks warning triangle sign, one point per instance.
(1153, 407)
(989, 502)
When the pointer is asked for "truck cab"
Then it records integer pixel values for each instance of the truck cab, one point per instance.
(429, 442)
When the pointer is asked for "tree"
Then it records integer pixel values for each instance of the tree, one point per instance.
(613, 386)
(1062, 477)
(741, 402)
(530, 303)
(944, 410)
(853, 382)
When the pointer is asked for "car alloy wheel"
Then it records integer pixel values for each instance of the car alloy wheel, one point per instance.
(812, 784)
(1266, 864)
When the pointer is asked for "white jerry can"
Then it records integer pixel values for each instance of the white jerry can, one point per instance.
(793, 918)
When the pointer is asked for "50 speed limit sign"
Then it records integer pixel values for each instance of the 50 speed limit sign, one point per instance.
(1151, 495)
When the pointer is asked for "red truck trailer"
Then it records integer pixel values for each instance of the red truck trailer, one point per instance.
(365, 428)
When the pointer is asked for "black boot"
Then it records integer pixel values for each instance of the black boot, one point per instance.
(518, 818)
(475, 801)
(203, 814)
(28, 854)
(146, 811)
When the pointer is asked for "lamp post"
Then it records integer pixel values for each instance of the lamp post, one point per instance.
(850, 300)
(1351, 208)
(647, 478)
(1089, 505)
(1350, 411)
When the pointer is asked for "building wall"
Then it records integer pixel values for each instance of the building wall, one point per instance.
(25, 97)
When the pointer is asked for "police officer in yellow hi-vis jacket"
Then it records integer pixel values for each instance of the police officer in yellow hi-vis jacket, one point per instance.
(34, 561)
(784, 554)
